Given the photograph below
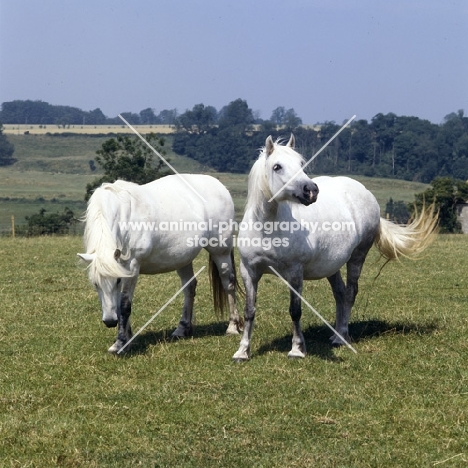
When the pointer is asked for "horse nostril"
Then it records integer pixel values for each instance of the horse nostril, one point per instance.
(110, 323)
(310, 191)
(310, 188)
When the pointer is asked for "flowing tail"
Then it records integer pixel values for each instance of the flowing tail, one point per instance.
(220, 297)
(395, 241)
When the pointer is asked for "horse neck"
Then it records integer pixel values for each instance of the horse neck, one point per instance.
(265, 210)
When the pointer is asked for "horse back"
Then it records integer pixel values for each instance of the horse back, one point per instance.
(201, 194)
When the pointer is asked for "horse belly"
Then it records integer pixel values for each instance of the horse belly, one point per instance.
(323, 268)
(168, 260)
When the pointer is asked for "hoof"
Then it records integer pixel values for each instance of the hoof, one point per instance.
(116, 347)
(296, 354)
(182, 332)
(239, 361)
(336, 341)
(241, 356)
(233, 329)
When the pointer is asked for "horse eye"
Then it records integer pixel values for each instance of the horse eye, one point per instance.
(118, 281)
(277, 167)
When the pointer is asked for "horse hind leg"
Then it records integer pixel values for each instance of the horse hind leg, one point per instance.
(226, 274)
(343, 311)
(345, 295)
(251, 280)
(185, 327)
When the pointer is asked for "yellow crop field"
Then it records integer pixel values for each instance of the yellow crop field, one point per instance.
(83, 129)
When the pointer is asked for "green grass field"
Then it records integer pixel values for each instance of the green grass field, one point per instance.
(401, 401)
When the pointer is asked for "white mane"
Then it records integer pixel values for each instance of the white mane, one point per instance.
(98, 237)
(258, 189)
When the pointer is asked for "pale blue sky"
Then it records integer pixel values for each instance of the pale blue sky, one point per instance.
(327, 59)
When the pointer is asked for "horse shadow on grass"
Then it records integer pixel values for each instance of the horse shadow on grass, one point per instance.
(147, 339)
(318, 342)
(317, 337)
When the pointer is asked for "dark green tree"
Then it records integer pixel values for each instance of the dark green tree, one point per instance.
(148, 117)
(229, 146)
(287, 118)
(291, 120)
(198, 120)
(131, 118)
(6, 150)
(397, 211)
(44, 223)
(167, 117)
(237, 114)
(277, 116)
(129, 158)
(445, 193)
(95, 117)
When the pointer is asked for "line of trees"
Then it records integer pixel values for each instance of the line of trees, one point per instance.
(43, 113)
(388, 146)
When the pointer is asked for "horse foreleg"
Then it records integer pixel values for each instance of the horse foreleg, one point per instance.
(185, 327)
(250, 283)
(124, 332)
(298, 349)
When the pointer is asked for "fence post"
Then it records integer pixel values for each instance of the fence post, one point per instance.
(13, 226)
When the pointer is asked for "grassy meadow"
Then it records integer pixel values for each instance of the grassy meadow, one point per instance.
(401, 401)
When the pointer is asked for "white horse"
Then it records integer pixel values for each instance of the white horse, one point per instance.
(157, 228)
(310, 230)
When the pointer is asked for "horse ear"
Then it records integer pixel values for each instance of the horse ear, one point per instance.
(87, 258)
(291, 142)
(269, 146)
(117, 254)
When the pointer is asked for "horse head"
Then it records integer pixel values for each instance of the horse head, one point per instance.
(107, 287)
(285, 174)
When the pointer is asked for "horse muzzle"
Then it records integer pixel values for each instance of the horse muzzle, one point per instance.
(309, 194)
(110, 323)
